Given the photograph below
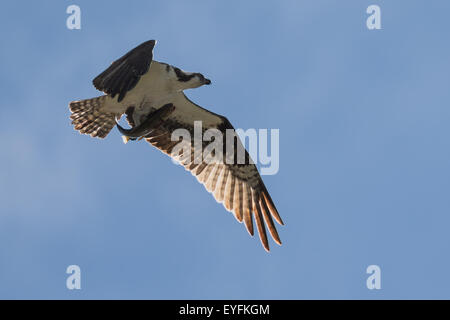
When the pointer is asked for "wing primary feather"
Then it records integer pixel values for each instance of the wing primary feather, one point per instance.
(237, 201)
(224, 183)
(215, 177)
(247, 199)
(260, 222)
(269, 221)
(218, 188)
(231, 195)
(240, 199)
(228, 199)
(272, 208)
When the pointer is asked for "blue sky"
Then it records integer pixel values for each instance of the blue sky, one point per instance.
(364, 152)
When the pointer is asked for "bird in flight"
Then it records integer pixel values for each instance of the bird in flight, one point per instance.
(150, 94)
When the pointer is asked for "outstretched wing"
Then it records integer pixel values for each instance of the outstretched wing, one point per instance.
(238, 186)
(125, 72)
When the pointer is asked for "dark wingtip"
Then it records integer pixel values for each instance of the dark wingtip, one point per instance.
(149, 43)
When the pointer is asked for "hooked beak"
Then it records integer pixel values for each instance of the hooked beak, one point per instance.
(207, 81)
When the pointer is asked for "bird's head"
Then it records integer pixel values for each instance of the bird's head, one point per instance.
(201, 80)
(189, 80)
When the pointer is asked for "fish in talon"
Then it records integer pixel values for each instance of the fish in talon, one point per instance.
(153, 121)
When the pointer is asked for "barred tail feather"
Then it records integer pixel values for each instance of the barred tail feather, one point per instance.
(89, 119)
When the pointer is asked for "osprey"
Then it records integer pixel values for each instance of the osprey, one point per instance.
(150, 94)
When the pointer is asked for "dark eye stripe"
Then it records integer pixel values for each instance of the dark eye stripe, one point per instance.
(183, 76)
